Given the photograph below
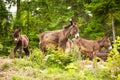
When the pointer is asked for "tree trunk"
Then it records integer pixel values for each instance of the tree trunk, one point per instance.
(18, 9)
(113, 29)
(28, 17)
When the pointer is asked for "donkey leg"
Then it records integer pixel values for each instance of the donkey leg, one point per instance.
(90, 56)
(26, 50)
(56, 47)
(15, 49)
(40, 45)
(20, 53)
(93, 55)
(44, 50)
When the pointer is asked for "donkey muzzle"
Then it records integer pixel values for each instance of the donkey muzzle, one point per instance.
(16, 40)
(77, 35)
(110, 47)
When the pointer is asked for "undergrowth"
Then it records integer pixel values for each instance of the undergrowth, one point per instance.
(58, 65)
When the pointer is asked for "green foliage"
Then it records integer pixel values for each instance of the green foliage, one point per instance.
(21, 62)
(75, 53)
(36, 57)
(59, 65)
(104, 11)
(18, 77)
(74, 66)
(57, 58)
(114, 59)
(5, 19)
(93, 30)
(37, 16)
(118, 77)
(1, 47)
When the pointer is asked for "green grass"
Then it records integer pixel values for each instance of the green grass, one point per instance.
(4, 66)
(56, 65)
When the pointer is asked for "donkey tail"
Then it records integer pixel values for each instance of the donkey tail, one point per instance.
(38, 35)
(40, 45)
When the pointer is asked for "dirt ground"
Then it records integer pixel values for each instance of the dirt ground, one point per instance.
(4, 72)
(5, 62)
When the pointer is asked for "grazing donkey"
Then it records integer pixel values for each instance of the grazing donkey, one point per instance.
(21, 42)
(59, 37)
(92, 47)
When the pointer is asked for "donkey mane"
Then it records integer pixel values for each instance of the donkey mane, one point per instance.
(67, 26)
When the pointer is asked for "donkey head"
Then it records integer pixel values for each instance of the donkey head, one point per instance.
(15, 34)
(73, 29)
(105, 42)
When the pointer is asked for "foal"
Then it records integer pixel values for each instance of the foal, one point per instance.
(21, 42)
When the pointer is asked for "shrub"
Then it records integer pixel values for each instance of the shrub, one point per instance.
(76, 55)
(53, 58)
(1, 47)
(57, 58)
(113, 63)
(73, 66)
(37, 58)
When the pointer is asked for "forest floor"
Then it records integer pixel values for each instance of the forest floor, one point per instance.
(4, 71)
(7, 69)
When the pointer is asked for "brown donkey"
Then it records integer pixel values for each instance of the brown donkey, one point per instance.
(59, 37)
(92, 47)
(21, 42)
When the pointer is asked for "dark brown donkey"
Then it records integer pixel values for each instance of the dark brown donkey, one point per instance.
(59, 37)
(92, 47)
(21, 41)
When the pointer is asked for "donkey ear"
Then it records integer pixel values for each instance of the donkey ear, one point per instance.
(80, 25)
(12, 31)
(107, 37)
(71, 22)
(18, 30)
(38, 35)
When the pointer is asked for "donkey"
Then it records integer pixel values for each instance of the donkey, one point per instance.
(103, 55)
(21, 42)
(92, 47)
(59, 37)
(69, 45)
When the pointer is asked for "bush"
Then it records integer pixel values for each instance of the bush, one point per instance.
(57, 58)
(37, 58)
(1, 47)
(53, 58)
(113, 63)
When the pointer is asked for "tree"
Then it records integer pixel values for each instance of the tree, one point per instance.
(5, 19)
(106, 11)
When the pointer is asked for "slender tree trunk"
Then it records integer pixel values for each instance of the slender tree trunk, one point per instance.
(16, 24)
(18, 9)
(113, 29)
(28, 17)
